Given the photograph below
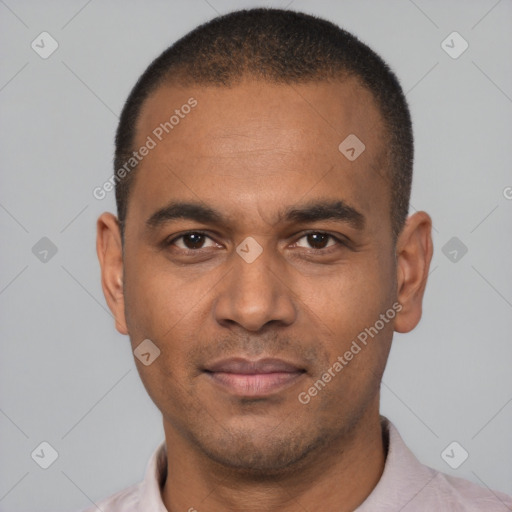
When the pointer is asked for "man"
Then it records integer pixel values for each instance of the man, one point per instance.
(261, 260)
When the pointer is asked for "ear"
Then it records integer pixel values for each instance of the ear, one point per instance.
(110, 254)
(414, 253)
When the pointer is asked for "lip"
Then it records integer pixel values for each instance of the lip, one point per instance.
(253, 378)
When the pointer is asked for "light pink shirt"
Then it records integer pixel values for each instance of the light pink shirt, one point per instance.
(406, 485)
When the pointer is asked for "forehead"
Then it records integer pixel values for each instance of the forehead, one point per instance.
(323, 109)
(256, 146)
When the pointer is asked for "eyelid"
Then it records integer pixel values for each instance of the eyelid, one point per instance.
(337, 236)
(339, 239)
(170, 240)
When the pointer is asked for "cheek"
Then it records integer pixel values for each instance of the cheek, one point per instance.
(156, 300)
(350, 298)
(171, 310)
(349, 311)
(159, 309)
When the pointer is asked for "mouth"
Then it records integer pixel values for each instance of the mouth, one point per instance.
(256, 379)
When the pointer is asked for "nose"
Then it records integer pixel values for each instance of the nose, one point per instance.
(254, 295)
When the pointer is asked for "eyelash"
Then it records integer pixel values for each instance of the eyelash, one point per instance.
(327, 250)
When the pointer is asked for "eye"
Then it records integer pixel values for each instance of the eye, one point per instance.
(192, 241)
(319, 240)
(196, 241)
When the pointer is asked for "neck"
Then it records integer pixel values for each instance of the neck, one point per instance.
(340, 477)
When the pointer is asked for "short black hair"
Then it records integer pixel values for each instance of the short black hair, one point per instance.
(277, 46)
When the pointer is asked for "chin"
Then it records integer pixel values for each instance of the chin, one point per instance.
(255, 453)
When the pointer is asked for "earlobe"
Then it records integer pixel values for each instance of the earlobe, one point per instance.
(110, 255)
(414, 253)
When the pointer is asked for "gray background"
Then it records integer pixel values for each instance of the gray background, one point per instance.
(68, 378)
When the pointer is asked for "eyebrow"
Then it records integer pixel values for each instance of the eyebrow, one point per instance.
(309, 212)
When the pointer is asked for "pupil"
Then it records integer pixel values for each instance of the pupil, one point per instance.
(193, 240)
(317, 238)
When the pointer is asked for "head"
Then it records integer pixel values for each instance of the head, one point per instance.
(248, 228)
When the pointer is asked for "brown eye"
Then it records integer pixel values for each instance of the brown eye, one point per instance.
(318, 240)
(191, 241)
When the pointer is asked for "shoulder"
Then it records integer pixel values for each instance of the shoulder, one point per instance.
(410, 486)
(460, 495)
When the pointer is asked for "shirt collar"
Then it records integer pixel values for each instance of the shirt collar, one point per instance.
(402, 479)
(150, 496)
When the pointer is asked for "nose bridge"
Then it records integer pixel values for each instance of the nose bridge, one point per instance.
(253, 293)
(254, 277)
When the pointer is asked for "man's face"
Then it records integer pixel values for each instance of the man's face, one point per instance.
(252, 153)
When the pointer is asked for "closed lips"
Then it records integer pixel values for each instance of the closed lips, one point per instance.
(247, 367)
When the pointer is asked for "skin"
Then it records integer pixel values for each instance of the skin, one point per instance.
(249, 151)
